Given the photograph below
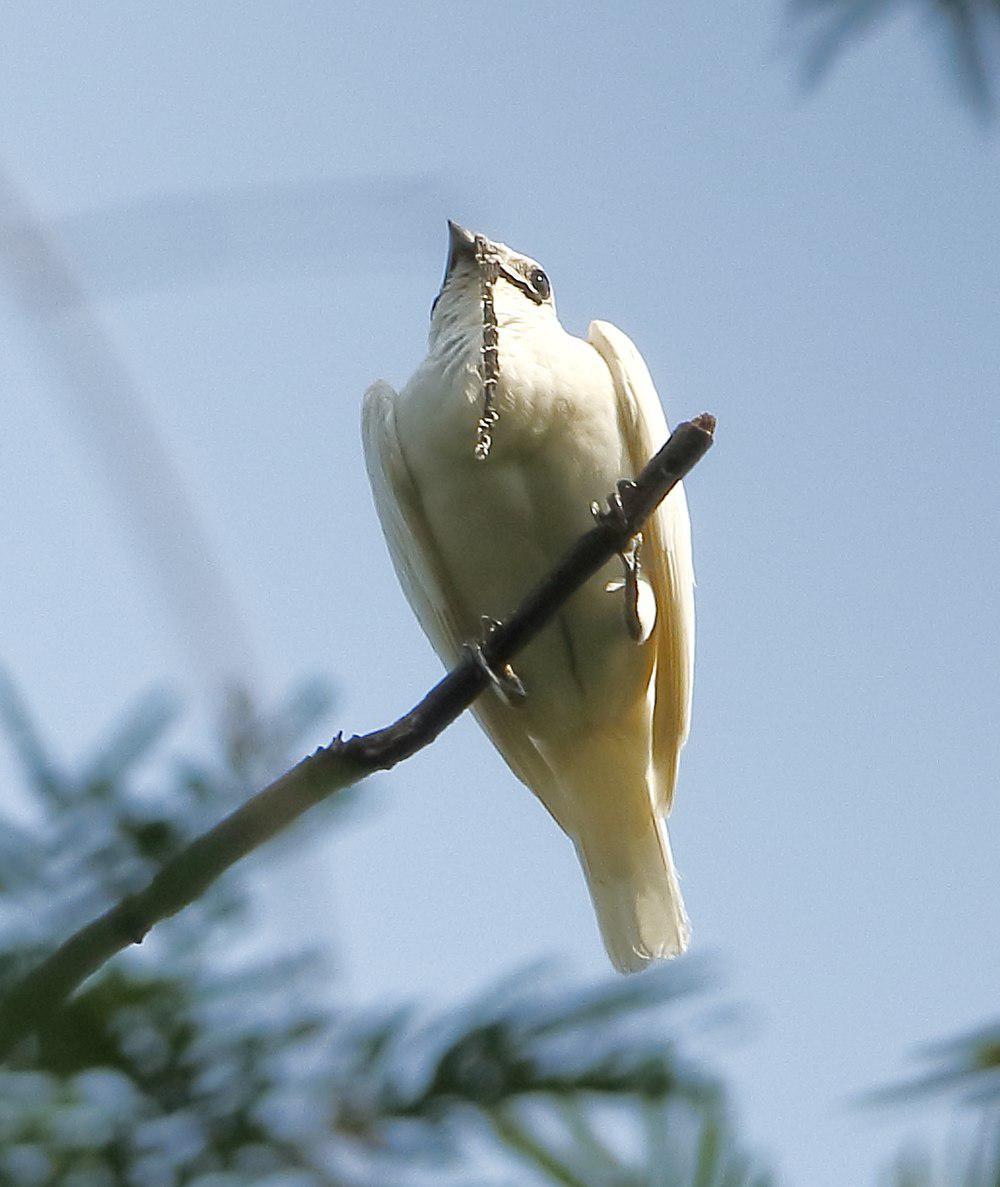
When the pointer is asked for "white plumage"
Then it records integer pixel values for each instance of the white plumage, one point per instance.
(599, 735)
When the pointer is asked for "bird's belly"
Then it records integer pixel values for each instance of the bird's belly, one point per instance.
(502, 523)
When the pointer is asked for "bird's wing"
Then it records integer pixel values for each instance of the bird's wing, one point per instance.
(400, 512)
(422, 574)
(666, 554)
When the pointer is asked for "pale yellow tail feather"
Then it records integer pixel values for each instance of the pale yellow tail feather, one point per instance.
(636, 896)
(608, 803)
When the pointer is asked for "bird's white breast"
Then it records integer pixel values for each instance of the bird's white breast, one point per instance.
(500, 524)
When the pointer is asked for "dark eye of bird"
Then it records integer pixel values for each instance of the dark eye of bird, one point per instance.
(540, 283)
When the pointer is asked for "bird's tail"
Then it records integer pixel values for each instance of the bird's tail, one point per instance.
(610, 799)
(636, 895)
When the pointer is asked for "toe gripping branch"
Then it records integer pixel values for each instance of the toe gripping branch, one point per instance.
(631, 565)
(506, 682)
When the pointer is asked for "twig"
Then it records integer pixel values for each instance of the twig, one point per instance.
(332, 768)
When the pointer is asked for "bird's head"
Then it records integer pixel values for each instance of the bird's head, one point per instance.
(522, 292)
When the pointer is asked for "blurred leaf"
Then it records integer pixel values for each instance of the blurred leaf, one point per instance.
(515, 1059)
(968, 1065)
(518, 1138)
(260, 743)
(972, 1162)
(847, 20)
(968, 1069)
(694, 1146)
(969, 30)
(93, 1029)
(44, 778)
(963, 27)
(131, 743)
(172, 1065)
(709, 1148)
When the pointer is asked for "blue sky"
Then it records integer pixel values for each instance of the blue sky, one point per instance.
(254, 198)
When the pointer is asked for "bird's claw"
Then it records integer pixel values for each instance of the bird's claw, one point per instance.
(506, 682)
(616, 515)
(630, 587)
(615, 510)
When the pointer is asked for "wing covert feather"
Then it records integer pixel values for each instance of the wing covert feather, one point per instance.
(397, 503)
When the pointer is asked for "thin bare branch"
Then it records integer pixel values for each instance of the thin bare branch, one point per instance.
(344, 762)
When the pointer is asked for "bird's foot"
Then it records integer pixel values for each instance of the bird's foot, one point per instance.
(615, 510)
(506, 682)
(616, 515)
(639, 601)
(632, 567)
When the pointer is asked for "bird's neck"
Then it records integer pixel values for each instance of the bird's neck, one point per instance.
(456, 334)
(456, 329)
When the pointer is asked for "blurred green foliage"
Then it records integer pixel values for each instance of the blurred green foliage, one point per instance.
(966, 1067)
(966, 1071)
(180, 1064)
(974, 1161)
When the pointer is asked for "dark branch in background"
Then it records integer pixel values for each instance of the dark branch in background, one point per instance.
(320, 226)
(106, 401)
(343, 763)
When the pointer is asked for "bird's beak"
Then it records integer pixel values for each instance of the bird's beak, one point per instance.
(461, 245)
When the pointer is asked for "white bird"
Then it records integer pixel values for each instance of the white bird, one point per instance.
(598, 733)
